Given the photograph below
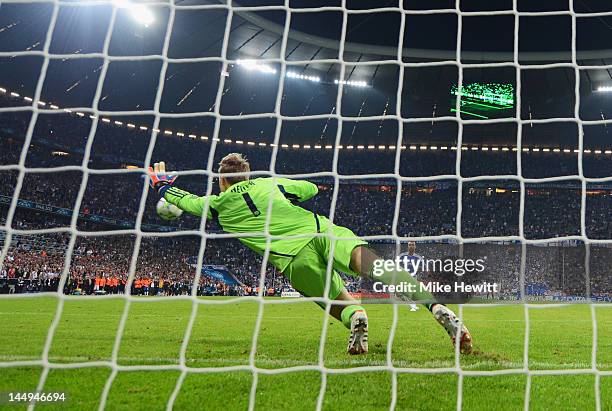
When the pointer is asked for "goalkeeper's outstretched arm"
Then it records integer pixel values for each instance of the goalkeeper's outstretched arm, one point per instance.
(297, 190)
(186, 201)
(162, 183)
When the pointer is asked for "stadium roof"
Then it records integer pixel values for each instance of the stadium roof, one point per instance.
(313, 41)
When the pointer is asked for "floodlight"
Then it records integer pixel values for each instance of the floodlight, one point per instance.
(253, 65)
(140, 13)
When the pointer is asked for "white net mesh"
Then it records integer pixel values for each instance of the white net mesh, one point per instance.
(37, 107)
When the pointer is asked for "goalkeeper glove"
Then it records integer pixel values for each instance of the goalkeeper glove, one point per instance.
(159, 180)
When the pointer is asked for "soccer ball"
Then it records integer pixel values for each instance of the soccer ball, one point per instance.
(168, 211)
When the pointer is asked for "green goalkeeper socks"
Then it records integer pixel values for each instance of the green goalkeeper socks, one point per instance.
(348, 312)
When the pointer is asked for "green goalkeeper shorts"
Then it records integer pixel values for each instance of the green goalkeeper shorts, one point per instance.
(307, 271)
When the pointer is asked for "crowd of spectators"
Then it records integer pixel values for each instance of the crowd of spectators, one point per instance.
(489, 208)
(165, 266)
(114, 145)
(101, 264)
(368, 203)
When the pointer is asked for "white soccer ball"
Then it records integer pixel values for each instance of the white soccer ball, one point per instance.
(168, 211)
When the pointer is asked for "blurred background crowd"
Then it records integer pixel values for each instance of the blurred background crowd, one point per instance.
(364, 198)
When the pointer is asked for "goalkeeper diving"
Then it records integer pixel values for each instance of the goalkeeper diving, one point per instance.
(300, 242)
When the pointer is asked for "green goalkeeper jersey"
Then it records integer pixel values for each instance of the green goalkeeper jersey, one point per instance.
(243, 208)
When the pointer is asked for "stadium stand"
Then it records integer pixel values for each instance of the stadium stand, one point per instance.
(111, 201)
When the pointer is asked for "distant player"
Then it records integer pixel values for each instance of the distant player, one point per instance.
(413, 263)
(301, 255)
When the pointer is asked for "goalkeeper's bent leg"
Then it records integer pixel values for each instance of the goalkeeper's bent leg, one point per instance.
(344, 312)
(355, 319)
(362, 262)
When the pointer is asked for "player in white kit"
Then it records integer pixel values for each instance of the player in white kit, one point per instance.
(412, 262)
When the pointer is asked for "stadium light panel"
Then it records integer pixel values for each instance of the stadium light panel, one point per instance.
(293, 74)
(253, 65)
(140, 13)
(351, 83)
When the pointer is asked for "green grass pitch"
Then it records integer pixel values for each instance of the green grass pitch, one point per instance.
(560, 338)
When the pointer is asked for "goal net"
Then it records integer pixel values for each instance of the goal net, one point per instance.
(369, 141)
